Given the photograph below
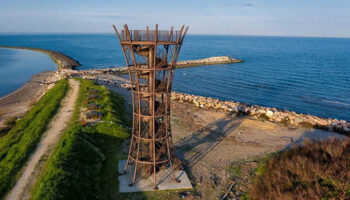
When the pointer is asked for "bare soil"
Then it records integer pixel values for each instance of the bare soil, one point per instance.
(213, 145)
(46, 146)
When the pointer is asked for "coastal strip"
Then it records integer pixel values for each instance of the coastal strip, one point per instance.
(18, 102)
(62, 61)
(272, 114)
(285, 117)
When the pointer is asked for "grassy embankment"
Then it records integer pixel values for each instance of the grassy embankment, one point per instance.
(19, 142)
(315, 170)
(84, 164)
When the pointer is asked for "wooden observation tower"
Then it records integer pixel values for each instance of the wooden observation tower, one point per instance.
(151, 57)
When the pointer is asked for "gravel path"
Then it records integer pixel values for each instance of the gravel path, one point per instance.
(46, 146)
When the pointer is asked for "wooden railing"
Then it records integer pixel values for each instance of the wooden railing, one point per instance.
(149, 35)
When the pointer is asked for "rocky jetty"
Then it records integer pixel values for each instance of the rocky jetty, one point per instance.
(92, 74)
(207, 61)
(272, 114)
(124, 70)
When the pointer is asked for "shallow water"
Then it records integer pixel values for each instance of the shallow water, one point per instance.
(307, 75)
(17, 67)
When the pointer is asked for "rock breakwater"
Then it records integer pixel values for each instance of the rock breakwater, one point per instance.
(286, 117)
(92, 74)
(208, 61)
(124, 70)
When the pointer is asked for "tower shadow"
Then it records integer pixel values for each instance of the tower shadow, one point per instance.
(204, 140)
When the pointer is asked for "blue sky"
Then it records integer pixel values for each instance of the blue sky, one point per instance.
(316, 18)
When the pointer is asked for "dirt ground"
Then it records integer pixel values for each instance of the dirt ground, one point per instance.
(46, 145)
(20, 101)
(220, 150)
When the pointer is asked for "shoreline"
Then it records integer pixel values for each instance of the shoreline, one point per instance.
(256, 112)
(66, 69)
(17, 103)
(285, 117)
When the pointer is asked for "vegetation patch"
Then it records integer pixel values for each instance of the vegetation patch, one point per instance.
(314, 170)
(4, 131)
(9, 124)
(19, 142)
(84, 164)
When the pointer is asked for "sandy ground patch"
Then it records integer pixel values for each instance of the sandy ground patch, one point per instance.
(209, 142)
(20, 101)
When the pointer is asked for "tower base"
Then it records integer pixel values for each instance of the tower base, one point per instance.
(166, 181)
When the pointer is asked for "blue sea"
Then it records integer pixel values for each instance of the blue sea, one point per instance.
(306, 75)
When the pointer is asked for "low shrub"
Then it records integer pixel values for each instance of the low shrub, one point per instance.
(314, 170)
(18, 143)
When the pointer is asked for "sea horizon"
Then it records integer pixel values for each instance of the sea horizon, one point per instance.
(189, 34)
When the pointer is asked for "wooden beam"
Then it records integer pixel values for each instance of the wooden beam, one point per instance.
(122, 46)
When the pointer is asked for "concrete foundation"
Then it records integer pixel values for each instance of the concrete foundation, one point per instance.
(146, 184)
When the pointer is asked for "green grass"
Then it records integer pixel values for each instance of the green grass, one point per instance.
(84, 164)
(263, 161)
(4, 131)
(9, 124)
(235, 170)
(19, 142)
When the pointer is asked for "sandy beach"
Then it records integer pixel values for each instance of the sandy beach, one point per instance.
(19, 102)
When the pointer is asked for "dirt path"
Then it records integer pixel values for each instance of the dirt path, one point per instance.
(45, 147)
